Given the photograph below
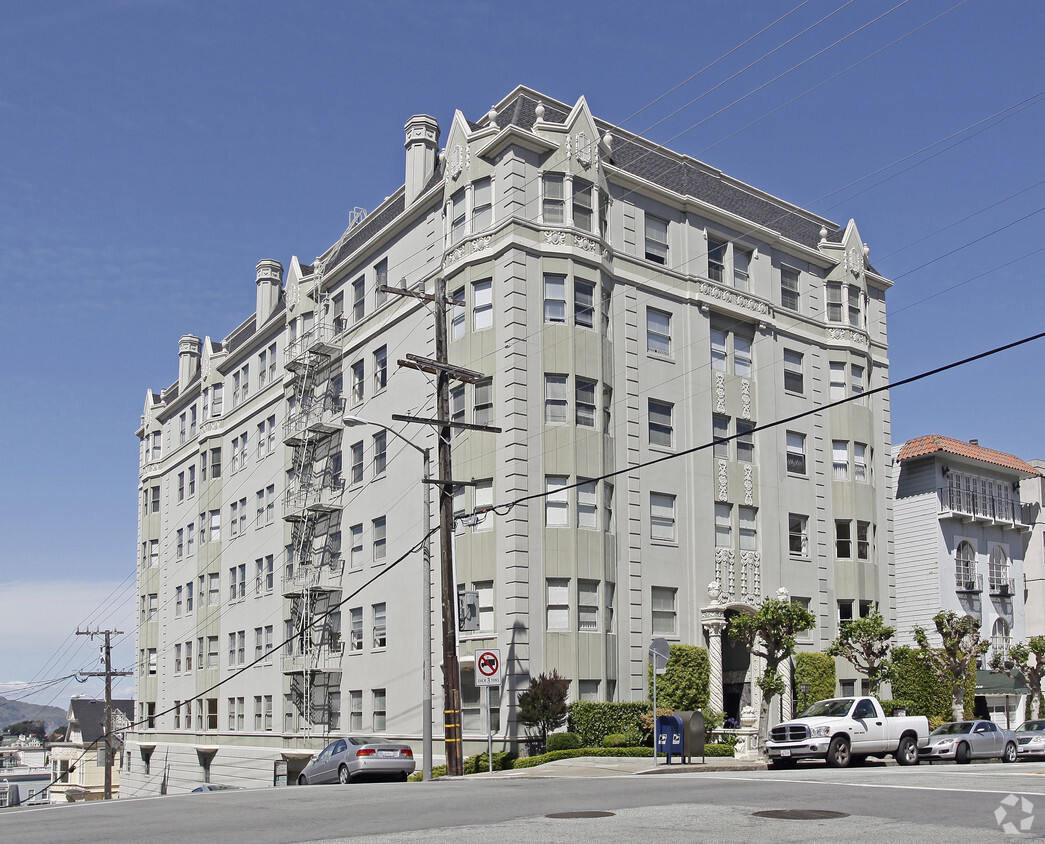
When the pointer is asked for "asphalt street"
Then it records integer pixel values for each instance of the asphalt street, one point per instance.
(942, 803)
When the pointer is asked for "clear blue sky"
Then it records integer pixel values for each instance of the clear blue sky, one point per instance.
(152, 152)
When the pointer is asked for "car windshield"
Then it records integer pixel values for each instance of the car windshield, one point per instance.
(1032, 727)
(359, 741)
(954, 729)
(828, 708)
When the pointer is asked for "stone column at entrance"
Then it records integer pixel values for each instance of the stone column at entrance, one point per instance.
(713, 620)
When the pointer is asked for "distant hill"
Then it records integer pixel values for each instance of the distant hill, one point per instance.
(13, 711)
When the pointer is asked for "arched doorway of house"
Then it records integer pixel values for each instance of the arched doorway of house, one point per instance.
(736, 660)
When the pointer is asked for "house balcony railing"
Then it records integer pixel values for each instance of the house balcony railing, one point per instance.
(325, 657)
(318, 493)
(1004, 587)
(973, 506)
(968, 583)
(320, 339)
(326, 578)
(323, 416)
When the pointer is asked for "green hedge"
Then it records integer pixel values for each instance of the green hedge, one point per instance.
(611, 752)
(563, 741)
(684, 686)
(503, 761)
(818, 670)
(918, 688)
(594, 721)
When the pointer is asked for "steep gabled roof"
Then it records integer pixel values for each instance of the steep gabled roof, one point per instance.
(934, 443)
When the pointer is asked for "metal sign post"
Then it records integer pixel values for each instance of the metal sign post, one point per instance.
(489, 672)
(659, 654)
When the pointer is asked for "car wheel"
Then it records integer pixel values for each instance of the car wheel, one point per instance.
(783, 764)
(1010, 753)
(838, 754)
(963, 756)
(907, 752)
(343, 776)
(302, 780)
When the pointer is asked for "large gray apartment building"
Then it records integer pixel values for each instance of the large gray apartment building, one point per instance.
(624, 304)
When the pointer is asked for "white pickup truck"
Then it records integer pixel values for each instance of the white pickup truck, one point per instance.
(844, 730)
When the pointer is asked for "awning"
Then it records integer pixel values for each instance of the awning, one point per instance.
(996, 683)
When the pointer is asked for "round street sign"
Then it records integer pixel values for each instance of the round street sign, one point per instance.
(488, 670)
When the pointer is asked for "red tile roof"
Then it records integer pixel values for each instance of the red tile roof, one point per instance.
(921, 446)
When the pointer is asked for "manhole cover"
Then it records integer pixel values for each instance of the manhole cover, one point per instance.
(580, 815)
(800, 814)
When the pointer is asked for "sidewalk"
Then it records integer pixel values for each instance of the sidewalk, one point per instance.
(619, 766)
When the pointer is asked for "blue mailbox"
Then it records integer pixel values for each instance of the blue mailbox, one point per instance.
(670, 736)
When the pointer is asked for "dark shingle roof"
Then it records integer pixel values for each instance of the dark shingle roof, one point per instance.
(90, 715)
(370, 226)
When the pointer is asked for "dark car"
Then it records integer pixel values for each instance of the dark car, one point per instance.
(353, 757)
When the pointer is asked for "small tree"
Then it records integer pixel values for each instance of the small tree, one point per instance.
(956, 660)
(1025, 663)
(865, 642)
(684, 684)
(542, 707)
(770, 633)
(27, 728)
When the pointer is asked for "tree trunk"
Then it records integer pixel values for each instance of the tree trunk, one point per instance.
(958, 704)
(763, 722)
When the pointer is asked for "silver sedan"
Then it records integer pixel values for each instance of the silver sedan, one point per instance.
(353, 757)
(964, 741)
(1031, 738)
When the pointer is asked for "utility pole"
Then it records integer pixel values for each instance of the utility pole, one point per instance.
(108, 674)
(443, 372)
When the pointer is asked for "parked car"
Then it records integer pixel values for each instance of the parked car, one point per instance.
(964, 741)
(353, 757)
(214, 786)
(844, 730)
(1030, 739)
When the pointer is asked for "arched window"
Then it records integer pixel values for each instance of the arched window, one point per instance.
(1000, 637)
(965, 566)
(999, 569)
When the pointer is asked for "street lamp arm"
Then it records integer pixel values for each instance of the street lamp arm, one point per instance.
(351, 421)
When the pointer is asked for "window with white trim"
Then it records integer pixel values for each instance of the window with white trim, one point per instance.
(554, 298)
(796, 453)
(798, 535)
(583, 304)
(457, 216)
(860, 472)
(556, 400)
(587, 508)
(482, 305)
(662, 517)
(723, 525)
(482, 204)
(656, 239)
(583, 215)
(840, 460)
(558, 603)
(457, 314)
(661, 429)
(380, 627)
(556, 502)
(587, 606)
(789, 295)
(794, 372)
(482, 402)
(553, 204)
(658, 332)
(747, 518)
(663, 610)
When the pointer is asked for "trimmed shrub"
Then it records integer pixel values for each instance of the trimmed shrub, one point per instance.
(918, 686)
(502, 761)
(684, 685)
(720, 749)
(563, 741)
(594, 721)
(531, 761)
(615, 740)
(818, 670)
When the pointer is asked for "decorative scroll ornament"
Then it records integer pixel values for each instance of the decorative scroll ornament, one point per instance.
(849, 335)
(454, 255)
(455, 161)
(555, 238)
(751, 576)
(723, 480)
(205, 368)
(854, 261)
(749, 486)
(583, 145)
(293, 295)
(587, 244)
(481, 243)
(720, 393)
(713, 291)
(745, 398)
(725, 573)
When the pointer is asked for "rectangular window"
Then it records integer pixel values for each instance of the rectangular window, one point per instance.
(379, 528)
(457, 314)
(741, 262)
(380, 280)
(380, 369)
(845, 613)
(379, 710)
(588, 606)
(554, 298)
(154, 503)
(482, 498)
(151, 653)
(863, 540)
(558, 592)
(843, 540)
(553, 206)
(587, 509)
(748, 524)
(585, 410)
(716, 260)
(181, 486)
(482, 402)
(656, 239)
(212, 652)
(482, 204)
(742, 361)
(798, 535)
(457, 216)
(794, 373)
(356, 554)
(860, 462)
(745, 441)
(719, 433)
(556, 502)
(556, 400)
(457, 409)
(213, 589)
(840, 460)
(857, 384)
(661, 431)
(482, 305)
(723, 525)
(658, 332)
(837, 371)
(215, 463)
(355, 632)
(192, 480)
(380, 632)
(663, 612)
(796, 453)
(358, 382)
(355, 710)
(855, 311)
(380, 453)
(583, 218)
(718, 350)
(789, 288)
(662, 517)
(834, 301)
(583, 304)
(357, 462)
